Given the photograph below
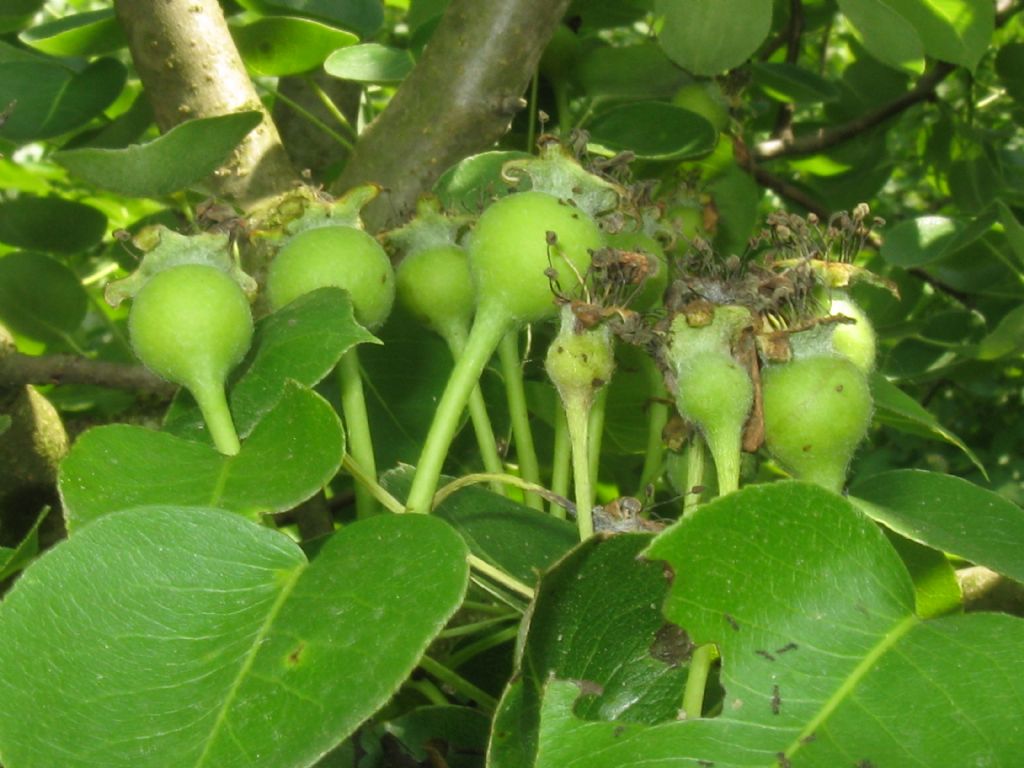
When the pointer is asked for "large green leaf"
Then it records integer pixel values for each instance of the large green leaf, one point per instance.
(291, 454)
(895, 408)
(708, 38)
(474, 181)
(15, 14)
(596, 618)
(790, 83)
(1010, 66)
(947, 513)
(886, 34)
(282, 45)
(641, 71)
(1006, 339)
(184, 155)
(50, 224)
(301, 342)
(516, 538)
(957, 31)
(81, 34)
(191, 637)
(51, 99)
(652, 130)
(40, 297)
(824, 662)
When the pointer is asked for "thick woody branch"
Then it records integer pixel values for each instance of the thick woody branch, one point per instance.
(17, 370)
(190, 68)
(458, 100)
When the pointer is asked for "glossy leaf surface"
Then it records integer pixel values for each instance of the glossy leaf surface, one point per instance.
(708, 38)
(293, 452)
(949, 514)
(823, 661)
(196, 634)
(281, 45)
(652, 130)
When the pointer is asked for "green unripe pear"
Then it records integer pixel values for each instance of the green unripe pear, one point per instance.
(509, 253)
(706, 100)
(191, 325)
(435, 286)
(339, 257)
(653, 289)
(579, 364)
(713, 391)
(816, 412)
(855, 341)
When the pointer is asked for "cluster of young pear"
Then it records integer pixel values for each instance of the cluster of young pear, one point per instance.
(747, 351)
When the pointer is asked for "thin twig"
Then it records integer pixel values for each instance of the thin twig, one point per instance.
(18, 370)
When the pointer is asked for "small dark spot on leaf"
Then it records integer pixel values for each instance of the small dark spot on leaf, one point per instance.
(783, 760)
(839, 387)
(732, 622)
(809, 738)
(807, 448)
(865, 764)
(672, 645)
(590, 688)
(296, 654)
(618, 731)
(776, 700)
(597, 383)
(787, 648)
(705, 763)
(764, 654)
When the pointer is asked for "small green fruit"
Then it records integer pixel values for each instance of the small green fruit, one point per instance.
(855, 341)
(339, 257)
(191, 325)
(435, 286)
(509, 253)
(579, 364)
(816, 412)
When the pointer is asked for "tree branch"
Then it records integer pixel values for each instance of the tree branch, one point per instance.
(458, 100)
(190, 68)
(829, 137)
(17, 370)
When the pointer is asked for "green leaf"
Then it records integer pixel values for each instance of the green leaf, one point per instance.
(886, 34)
(1013, 228)
(282, 45)
(40, 297)
(895, 408)
(652, 130)
(196, 637)
(370, 63)
(474, 181)
(792, 84)
(50, 224)
(51, 99)
(957, 31)
(928, 239)
(824, 663)
(947, 513)
(301, 342)
(92, 33)
(1010, 67)
(291, 454)
(708, 38)
(596, 618)
(15, 14)
(521, 541)
(936, 589)
(363, 17)
(184, 155)
(641, 71)
(1006, 339)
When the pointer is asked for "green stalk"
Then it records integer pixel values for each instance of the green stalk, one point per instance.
(214, 406)
(696, 681)
(657, 418)
(357, 424)
(488, 329)
(726, 448)
(458, 683)
(596, 432)
(560, 461)
(694, 474)
(522, 435)
(481, 421)
(577, 415)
